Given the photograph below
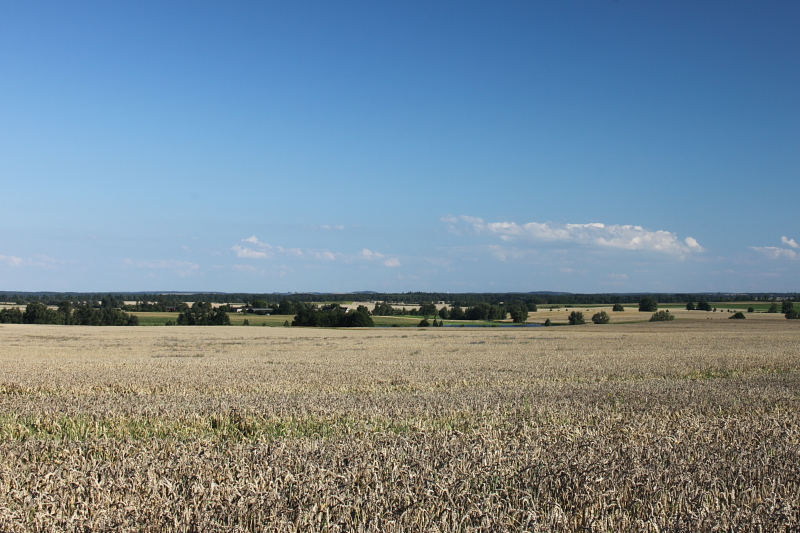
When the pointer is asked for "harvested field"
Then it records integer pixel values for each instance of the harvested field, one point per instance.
(692, 425)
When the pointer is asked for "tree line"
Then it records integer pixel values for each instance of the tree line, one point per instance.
(332, 317)
(67, 314)
(159, 301)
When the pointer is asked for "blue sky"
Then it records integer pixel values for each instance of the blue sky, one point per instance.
(583, 146)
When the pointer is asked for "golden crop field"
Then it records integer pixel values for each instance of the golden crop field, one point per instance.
(691, 425)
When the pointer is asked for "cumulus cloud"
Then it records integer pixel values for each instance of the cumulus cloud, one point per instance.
(773, 252)
(257, 249)
(38, 260)
(164, 263)
(262, 250)
(248, 253)
(323, 254)
(625, 237)
(789, 242)
(11, 260)
(369, 254)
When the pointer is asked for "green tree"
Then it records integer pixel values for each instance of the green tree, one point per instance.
(456, 313)
(428, 309)
(576, 318)
(751, 309)
(38, 313)
(547, 322)
(648, 304)
(478, 312)
(11, 316)
(65, 310)
(690, 306)
(601, 318)
(444, 313)
(284, 308)
(519, 315)
(737, 315)
(359, 318)
(773, 308)
(786, 306)
(423, 323)
(618, 307)
(703, 305)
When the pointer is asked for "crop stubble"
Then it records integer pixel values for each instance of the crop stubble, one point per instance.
(678, 427)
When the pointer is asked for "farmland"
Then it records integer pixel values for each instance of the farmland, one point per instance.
(692, 425)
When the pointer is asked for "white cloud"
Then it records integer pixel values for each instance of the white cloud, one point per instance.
(773, 252)
(323, 254)
(693, 244)
(387, 261)
(248, 253)
(625, 237)
(164, 263)
(369, 254)
(11, 260)
(789, 242)
(337, 226)
(38, 260)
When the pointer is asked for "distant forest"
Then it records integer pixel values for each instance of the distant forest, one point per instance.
(159, 302)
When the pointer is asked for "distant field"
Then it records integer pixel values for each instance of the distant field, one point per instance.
(557, 316)
(692, 425)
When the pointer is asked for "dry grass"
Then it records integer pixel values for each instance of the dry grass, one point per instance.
(682, 426)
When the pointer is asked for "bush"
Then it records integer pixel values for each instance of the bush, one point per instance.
(618, 307)
(793, 315)
(738, 314)
(648, 304)
(751, 309)
(576, 318)
(662, 316)
(786, 306)
(246, 322)
(690, 306)
(773, 308)
(601, 318)
(548, 323)
(423, 323)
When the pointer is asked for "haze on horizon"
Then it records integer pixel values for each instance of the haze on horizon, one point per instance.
(459, 147)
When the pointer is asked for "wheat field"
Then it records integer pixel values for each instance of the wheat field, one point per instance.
(681, 426)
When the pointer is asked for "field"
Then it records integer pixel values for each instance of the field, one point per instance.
(558, 315)
(690, 425)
